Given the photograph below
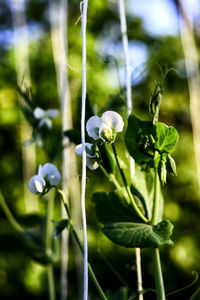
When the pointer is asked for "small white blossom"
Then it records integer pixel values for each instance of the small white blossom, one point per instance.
(48, 175)
(91, 159)
(105, 127)
(36, 184)
(45, 116)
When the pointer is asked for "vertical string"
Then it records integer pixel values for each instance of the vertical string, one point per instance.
(126, 55)
(129, 109)
(83, 183)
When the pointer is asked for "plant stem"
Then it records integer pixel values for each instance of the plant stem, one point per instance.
(156, 257)
(111, 177)
(91, 272)
(48, 245)
(140, 214)
(9, 215)
(160, 290)
(51, 285)
(139, 272)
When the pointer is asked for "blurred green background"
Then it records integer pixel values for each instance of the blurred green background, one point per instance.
(154, 38)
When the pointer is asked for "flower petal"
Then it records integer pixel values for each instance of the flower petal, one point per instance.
(79, 149)
(91, 163)
(92, 127)
(45, 122)
(113, 120)
(36, 184)
(50, 173)
(88, 148)
(38, 113)
(52, 113)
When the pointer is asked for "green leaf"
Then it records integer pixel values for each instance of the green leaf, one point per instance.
(143, 182)
(137, 235)
(107, 158)
(35, 247)
(61, 225)
(140, 140)
(166, 138)
(114, 207)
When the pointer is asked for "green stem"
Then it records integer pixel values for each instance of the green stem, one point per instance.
(91, 272)
(140, 214)
(160, 290)
(48, 245)
(9, 215)
(51, 285)
(111, 177)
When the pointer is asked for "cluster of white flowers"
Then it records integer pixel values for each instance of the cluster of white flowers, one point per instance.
(104, 128)
(48, 176)
(45, 116)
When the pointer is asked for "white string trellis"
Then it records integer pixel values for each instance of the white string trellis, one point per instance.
(83, 183)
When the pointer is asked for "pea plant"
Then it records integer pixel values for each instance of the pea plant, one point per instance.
(132, 214)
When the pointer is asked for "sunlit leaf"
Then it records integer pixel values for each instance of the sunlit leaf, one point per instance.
(167, 137)
(131, 235)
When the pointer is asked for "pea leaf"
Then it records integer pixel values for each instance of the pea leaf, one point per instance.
(132, 235)
(143, 182)
(60, 226)
(114, 207)
(138, 139)
(166, 137)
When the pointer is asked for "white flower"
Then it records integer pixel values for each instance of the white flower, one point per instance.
(45, 116)
(36, 184)
(48, 175)
(91, 159)
(105, 127)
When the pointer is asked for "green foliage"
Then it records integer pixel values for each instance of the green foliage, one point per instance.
(140, 140)
(143, 188)
(114, 206)
(60, 226)
(131, 235)
(166, 138)
(106, 157)
(35, 248)
(117, 214)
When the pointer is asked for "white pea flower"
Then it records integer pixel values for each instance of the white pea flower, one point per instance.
(36, 184)
(45, 116)
(48, 176)
(50, 173)
(91, 159)
(106, 127)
